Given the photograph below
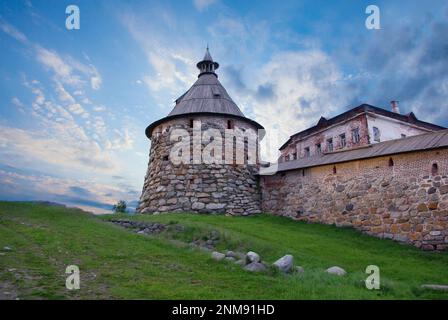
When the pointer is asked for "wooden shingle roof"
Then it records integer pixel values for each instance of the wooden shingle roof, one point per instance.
(207, 96)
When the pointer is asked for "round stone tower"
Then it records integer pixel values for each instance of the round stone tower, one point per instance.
(204, 154)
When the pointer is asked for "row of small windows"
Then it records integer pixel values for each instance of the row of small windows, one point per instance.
(330, 145)
(356, 138)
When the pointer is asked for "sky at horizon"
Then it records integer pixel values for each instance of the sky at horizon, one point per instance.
(74, 104)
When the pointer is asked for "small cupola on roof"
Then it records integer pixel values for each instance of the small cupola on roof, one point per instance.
(207, 65)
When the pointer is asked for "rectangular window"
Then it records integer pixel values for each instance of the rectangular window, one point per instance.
(330, 145)
(307, 151)
(294, 156)
(318, 148)
(343, 140)
(376, 134)
(355, 135)
(287, 157)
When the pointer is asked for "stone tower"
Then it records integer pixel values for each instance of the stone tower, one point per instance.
(204, 154)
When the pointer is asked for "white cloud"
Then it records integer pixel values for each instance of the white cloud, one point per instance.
(171, 58)
(18, 104)
(12, 31)
(68, 70)
(62, 146)
(203, 4)
(292, 90)
(95, 82)
(123, 141)
(63, 94)
(99, 108)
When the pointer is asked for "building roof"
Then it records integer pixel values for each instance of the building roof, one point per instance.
(426, 141)
(363, 108)
(207, 96)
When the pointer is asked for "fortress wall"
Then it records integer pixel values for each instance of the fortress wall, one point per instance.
(206, 188)
(406, 202)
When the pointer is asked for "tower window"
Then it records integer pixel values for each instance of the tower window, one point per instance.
(294, 156)
(191, 123)
(334, 170)
(391, 162)
(229, 124)
(434, 169)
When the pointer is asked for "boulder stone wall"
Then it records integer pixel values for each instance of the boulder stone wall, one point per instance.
(403, 197)
(200, 187)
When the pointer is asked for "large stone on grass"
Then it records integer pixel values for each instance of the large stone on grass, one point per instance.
(284, 264)
(336, 270)
(299, 269)
(241, 262)
(218, 256)
(255, 267)
(252, 257)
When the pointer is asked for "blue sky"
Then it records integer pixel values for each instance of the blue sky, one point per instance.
(74, 104)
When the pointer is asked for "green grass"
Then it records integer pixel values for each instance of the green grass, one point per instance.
(116, 263)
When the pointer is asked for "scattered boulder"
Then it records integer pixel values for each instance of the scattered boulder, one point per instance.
(7, 248)
(218, 256)
(437, 287)
(140, 227)
(230, 259)
(241, 262)
(252, 257)
(336, 270)
(255, 267)
(284, 264)
(231, 254)
(299, 269)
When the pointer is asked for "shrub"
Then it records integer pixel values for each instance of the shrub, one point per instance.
(120, 207)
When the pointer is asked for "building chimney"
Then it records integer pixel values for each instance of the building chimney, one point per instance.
(394, 106)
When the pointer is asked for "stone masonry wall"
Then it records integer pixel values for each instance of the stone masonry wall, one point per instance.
(205, 188)
(403, 197)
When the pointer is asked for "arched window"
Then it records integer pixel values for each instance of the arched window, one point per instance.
(434, 169)
(391, 162)
(334, 170)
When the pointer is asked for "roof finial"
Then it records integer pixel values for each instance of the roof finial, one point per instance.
(207, 65)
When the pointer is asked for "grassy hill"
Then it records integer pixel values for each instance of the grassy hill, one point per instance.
(117, 263)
